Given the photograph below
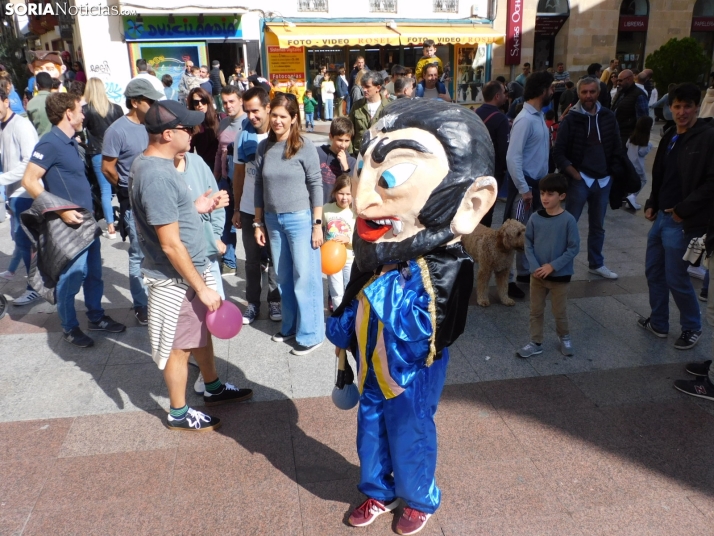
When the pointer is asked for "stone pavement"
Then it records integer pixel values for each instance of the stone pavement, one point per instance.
(599, 443)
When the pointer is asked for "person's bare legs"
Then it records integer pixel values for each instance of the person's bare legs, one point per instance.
(206, 361)
(175, 376)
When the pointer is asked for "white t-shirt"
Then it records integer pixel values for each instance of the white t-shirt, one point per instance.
(372, 107)
(339, 221)
(247, 201)
(432, 93)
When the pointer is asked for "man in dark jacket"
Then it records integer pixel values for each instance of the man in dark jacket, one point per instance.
(494, 95)
(218, 82)
(630, 103)
(584, 151)
(56, 167)
(680, 206)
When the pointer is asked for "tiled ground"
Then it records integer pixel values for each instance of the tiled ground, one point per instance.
(599, 443)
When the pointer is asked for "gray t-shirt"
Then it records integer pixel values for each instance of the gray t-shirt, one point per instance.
(124, 140)
(159, 196)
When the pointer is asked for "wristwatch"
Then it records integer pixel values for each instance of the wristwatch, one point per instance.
(317, 222)
(257, 224)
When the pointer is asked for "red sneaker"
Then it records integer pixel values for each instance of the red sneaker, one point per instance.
(368, 511)
(411, 521)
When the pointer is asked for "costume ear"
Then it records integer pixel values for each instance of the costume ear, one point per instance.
(62, 69)
(477, 201)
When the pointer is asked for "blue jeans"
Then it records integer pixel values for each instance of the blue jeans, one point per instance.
(597, 199)
(105, 187)
(229, 233)
(327, 110)
(309, 119)
(23, 245)
(136, 279)
(666, 272)
(84, 271)
(297, 268)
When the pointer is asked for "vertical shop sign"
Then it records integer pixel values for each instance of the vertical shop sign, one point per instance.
(514, 30)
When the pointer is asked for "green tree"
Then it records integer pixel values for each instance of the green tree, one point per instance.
(678, 61)
(10, 49)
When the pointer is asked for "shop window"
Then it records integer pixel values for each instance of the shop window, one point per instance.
(446, 6)
(312, 5)
(640, 8)
(383, 6)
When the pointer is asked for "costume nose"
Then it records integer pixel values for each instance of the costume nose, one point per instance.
(365, 196)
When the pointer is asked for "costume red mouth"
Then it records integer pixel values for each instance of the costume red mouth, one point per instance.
(373, 230)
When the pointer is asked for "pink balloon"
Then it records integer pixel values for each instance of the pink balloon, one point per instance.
(226, 321)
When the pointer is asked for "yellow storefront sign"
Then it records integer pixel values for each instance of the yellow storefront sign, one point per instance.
(284, 63)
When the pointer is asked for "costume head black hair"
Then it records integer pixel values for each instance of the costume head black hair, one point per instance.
(470, 154)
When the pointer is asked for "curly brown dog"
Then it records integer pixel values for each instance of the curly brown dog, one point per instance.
(494, 251)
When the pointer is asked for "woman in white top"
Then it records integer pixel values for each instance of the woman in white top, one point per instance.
(328, 96)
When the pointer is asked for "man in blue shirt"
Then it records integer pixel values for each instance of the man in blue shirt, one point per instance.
(55, 166)
(528, 152)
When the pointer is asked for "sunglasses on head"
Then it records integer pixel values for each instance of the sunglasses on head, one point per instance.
(288, 96)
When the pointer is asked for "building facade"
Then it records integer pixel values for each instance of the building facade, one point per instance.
(476, 39)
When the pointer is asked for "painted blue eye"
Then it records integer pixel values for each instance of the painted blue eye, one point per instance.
(396, 175)
(360, 165)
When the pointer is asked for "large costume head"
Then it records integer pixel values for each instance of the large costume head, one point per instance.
(423, 179)
(47, 61)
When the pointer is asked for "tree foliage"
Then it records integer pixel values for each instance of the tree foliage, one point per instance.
(678, 61)
(17, 67)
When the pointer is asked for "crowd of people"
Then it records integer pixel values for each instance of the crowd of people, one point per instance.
(195, 168)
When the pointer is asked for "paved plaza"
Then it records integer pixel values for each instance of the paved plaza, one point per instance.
(595, 444)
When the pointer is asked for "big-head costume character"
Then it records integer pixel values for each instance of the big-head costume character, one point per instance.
(48, 61)
(423, 179)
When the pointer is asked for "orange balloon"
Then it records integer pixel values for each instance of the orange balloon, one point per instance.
(334, 257)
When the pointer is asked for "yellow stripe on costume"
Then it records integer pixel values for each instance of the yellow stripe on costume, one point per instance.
(389, 387)
(362, 331)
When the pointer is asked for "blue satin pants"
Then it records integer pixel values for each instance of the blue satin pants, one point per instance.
(396, 439)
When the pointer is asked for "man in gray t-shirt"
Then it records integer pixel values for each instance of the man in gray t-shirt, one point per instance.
(180, 283)
(124, 140)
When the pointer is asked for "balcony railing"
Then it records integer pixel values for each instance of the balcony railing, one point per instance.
(312, 5)
(446, 6)
(383, 6)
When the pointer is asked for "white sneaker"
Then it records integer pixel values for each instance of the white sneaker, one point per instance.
(632, 201)
(7, 274)
(603, 271)
(27, 298)
(199, 387)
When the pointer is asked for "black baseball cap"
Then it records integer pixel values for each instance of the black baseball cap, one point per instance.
(167, 114)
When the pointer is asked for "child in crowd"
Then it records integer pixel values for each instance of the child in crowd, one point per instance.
(334, 158)
(339, 222)
(552, 242)
(639, 146)
(428, 58)
(309, 106)
(552, 125)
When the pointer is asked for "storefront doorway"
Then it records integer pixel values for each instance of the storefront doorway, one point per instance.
(632, 34)
(550, 18)
(703, 32)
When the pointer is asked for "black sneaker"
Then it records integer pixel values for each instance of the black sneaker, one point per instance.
(523, 279)
(304, 350)
(700, 368)
(106, 324)
(77, 337)
(645, 323)
(688, 339)
(230, 393)
(194, 421)
(514, 291)
(142, 315)
(700, 387)
(280, 337)
(704, 294)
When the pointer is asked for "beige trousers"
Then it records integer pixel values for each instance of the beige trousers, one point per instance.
(559, 301)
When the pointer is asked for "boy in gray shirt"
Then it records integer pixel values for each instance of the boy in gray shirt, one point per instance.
(552, 242)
